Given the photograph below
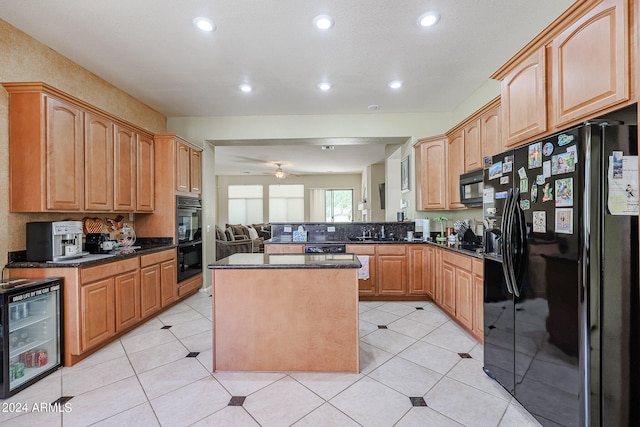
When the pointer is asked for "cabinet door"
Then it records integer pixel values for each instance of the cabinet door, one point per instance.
(366, 286)
(435, 161)
(591, 62)
(472, 146)
(449, 288)
(478, 307)
(124, 169)
(150, 294)
(145, 201)
(392, 275)
(64, 156)
(294, 248)
(183, 175)
(464, 297)
(196, 171)
(418, 270)
(98, 163)
(127, 300)
(431, 271)
(97, 313)
(169, 282)
(455, 168)
(491, 132)
(524, 101)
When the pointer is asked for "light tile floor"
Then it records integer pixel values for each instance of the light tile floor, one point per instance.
(146, 379)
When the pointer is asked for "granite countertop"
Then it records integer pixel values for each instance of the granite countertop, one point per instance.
(262, 261)
(95, 259)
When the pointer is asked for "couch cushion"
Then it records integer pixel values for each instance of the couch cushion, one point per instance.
(239, 229)
(253, 234)
(220, 234)
(230, 234)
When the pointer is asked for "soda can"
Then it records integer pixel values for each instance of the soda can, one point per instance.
(24, 310)
(19, 366)
(42, 358)
(15, 312)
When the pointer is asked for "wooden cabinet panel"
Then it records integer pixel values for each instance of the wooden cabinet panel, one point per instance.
(150, 293)
(125, 148)
(145, 174)
(591, 62)
(448, 288)
(392, 274)
(64, 156)
(127, 300)
(183, 174)
(478, 305)
(418, 270)
(472, 146)
(366, 286)
(196, 171)
(97, 313)
(455, 168)
(431, 273)
(435, 163)
(491, 127)
(523, 94)
(169, 282)
(464, 297)
(275, 248)
(98, 163)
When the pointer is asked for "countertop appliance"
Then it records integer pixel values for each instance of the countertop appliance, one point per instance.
(471, 188)
(561, 303)
(325, 248)
(54, 241)
(189, 234)
(98, 243)
(31, 327)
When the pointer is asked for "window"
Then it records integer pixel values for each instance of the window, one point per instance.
(339, 205)
(245, 204)
(286, 203)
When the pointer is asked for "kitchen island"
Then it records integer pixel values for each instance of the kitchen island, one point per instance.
(285, 312)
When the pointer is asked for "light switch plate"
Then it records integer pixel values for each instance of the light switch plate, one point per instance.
(331, 229)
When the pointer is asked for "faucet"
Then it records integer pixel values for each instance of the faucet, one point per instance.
(382, 235)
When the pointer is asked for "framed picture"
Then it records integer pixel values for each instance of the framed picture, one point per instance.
(404, 174)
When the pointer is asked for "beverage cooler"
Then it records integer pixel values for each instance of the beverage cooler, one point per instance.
(30, 332)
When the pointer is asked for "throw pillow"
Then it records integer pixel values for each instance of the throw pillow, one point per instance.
(230, 236)
(220, 235)
(253, 234)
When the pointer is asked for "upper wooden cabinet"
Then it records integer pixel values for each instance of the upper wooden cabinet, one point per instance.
(431, 175)
(456, 162)
(591, 62)
(491, 131)
(145, 174)
(66, 155)
(472, 146)
(188, 168)
(523, 95)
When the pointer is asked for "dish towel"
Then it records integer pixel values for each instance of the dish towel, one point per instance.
(363, 272)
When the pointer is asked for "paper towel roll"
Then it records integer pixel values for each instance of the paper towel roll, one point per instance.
(426, 228)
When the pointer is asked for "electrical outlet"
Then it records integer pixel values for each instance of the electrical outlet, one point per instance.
(331, 229)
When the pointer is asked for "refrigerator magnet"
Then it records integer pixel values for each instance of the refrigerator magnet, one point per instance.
(524, 185)
(547, 149)
(488, 161)
(565, 139)
(546, 168)
(525, 204)
(507, 167)
(535, 155)
(522, 173)
(508, 159)
(617, 165)
(540, 179)
(547, 192)
(504, 180)
(573, 149)
(495, 170)
(564, 221)
(534, 193)
(564, 192)
(539, 222)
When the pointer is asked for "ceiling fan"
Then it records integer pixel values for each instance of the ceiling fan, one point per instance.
(279, 173)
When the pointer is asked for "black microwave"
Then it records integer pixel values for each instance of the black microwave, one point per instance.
(471, 186)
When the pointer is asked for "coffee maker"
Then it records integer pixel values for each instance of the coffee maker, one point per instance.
(54, 241)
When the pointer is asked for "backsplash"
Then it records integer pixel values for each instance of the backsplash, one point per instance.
(319, 232)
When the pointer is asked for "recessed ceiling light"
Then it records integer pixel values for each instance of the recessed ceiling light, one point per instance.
(245, 88)
(428, 19)
(205, 24)
(323, 22)
(373, 107)
(324, 86)
(396, 84)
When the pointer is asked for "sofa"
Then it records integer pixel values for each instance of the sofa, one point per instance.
(227, 244)
(242, 232)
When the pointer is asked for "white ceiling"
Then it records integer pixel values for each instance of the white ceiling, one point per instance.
(151, 49)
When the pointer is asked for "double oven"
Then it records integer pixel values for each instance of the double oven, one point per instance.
(189, 234)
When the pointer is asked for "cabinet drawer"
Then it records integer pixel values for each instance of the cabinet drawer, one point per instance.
(361, 249)
(157, 258)
(460, 261)
(91, 274)
(190, 285)
(392, 249)
(478, 267)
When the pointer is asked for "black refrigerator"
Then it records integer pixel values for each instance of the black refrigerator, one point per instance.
(561, 299)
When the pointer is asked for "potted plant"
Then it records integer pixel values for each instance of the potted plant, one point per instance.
(441, 238)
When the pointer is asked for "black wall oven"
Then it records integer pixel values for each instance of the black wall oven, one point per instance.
(189, 234)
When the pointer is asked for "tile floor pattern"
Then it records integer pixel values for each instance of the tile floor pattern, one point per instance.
(414, 372)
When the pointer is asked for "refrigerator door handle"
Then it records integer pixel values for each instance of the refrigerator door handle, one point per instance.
(512, 240)
(520, 233)
(504, 242)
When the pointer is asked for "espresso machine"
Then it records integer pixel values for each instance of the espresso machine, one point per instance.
(54, 241)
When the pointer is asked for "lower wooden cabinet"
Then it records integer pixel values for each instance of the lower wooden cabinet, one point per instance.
(150, 290)
(392, 270)
(127, 300)
(97, 307)
(418, 261)
(158, 280)
(478, 300)
(367, 285)
(448, 301)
